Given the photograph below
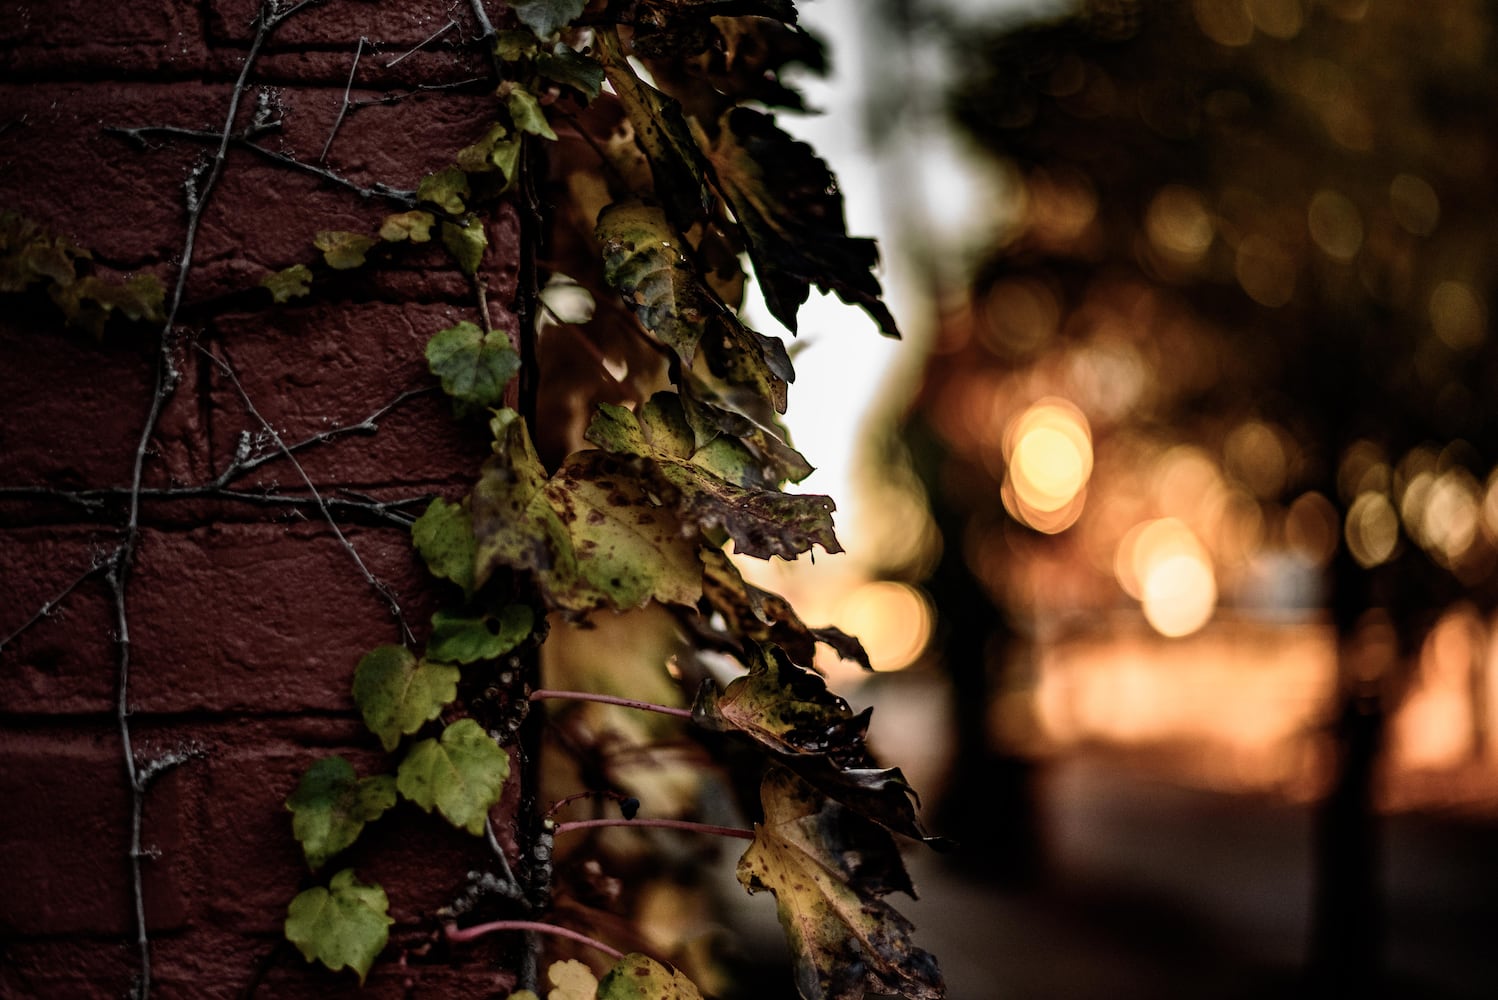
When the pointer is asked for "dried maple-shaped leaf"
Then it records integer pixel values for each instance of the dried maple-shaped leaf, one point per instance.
(789, 206)
(346, 924)
(789, 712)
(646, 259)
(662, 132)
(829, 869)
(461, 775)
(592, 535)
(638, 977)
(759, 616)
(398, 694)
(713, 488)
(735, 51)
(332, 803)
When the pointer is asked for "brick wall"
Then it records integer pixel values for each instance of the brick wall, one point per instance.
(245, 619)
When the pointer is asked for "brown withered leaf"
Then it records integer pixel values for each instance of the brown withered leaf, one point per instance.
(829, 869)
(791, 210)
(591, 535)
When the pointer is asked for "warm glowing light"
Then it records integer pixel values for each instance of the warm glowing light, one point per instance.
(1018, 317)
(1458, 316)
(1363, 468)
(1178, 224)
(1372, 529)
(1415, 204)
(1335, 225)
(1311, 528)
(1449, 521)
(1162, 565)
(1049, 453)
(893, 620)
(1265, 271)
(1256, 457)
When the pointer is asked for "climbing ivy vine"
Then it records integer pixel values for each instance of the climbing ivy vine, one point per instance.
(684, 177)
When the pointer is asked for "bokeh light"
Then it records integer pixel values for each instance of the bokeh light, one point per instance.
(1048, 452)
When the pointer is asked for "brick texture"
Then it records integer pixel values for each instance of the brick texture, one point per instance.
(246, 615)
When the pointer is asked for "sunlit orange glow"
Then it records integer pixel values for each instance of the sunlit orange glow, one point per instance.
(1256, 458)
(1450, 514)
(1178, 224)
(1311, 528)
(1364, 468)
(892, 619)
(1048, 449)
(1372, 529)
(1162, 565)
(1434, 724)
(1018, 317)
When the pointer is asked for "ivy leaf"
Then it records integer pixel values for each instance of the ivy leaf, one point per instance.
(756, 615)
(791, 211)
(443, 535)
(346, 924)
(465, 239)
(646, 260)
(462, 774)
(711, 415)
(547, 17)
(458, 638)
(526, 113)
(90, 301)
(828, 869)
(343, 251)
(398, 694)
(497, 150)
(709, 492)
(447, 189)
(565, 65)
(474, 366)
(789, 712)
(662, 132)
(414, 225)
(592, 535)
(292, 282)
(638, 977)
(571, 980)
(332, 803)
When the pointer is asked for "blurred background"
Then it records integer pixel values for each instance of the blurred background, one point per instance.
(1173, 521)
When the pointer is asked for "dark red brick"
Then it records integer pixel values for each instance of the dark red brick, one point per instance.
(332, 365)
(67, 835)
(262, 617)
(81, 37)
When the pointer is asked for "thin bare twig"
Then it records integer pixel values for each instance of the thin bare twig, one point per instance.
(420, 88)
(664, 824)
(450, 25)
(379, 585)
(343, 108)
(50, 606)
(96, 500)
(459, 934)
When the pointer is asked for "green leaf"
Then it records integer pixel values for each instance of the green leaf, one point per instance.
(462, 774)
(526, 113)
(458, 638)
(791, 211)
(513, 46)
(414, 225)
(662, 133)
(474, 366)
(292, 282)
(788, 711)
(398, 694)
(346, 924)
(498, 150)
(710, 492)
(711, 414)
(444, 537)
(571, 68)
(592, 535)
(343, 251)
(465, 239)
(638, 977)
(331, 804)
(547, 17)
(447, 189)
(648, 261)
(828, 870)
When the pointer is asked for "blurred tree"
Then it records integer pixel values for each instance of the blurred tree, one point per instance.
(1262, 227)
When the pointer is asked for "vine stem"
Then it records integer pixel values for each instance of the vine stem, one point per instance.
(460, 934)
(665, 824)
(343, 108)
(51, 606)
(608, 699)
